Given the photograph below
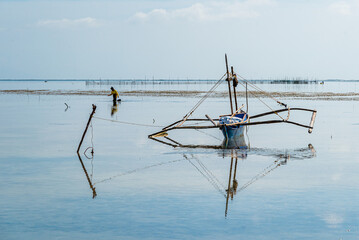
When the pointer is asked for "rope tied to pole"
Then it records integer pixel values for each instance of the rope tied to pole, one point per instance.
(92, 148)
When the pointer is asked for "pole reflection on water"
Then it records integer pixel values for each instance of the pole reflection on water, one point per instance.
(229, 183)
(94, 194)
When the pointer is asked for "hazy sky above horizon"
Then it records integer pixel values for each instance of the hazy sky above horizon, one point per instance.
(79, 39)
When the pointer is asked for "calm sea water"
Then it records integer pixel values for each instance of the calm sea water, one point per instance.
(148, 190)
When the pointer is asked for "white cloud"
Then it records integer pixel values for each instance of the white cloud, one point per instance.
(65, 23)
(213, 11)
(345, 8)
(341, 8)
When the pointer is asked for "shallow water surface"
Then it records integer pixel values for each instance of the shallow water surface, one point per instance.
(291, 184)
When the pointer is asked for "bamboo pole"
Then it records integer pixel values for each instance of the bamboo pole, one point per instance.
(182, 127)
(88, 123)
(234, 89)
(195, 127)
(210, 119)
(194, 119)
(310, 130)
(273, 121)
(170, 139)
(281, 110)
(160, 141)
(239, 124)
(229, 85)
(202, 146)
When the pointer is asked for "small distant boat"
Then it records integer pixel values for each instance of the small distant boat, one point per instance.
(232, 125)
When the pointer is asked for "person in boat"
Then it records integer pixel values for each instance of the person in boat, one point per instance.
(115, 95)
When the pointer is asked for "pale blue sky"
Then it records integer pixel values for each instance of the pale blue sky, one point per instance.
(179, 39)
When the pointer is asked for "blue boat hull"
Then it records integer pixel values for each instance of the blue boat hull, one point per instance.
(232, 132)
(237, 131)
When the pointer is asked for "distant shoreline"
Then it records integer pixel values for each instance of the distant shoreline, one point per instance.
(150, 81)
(351, 96)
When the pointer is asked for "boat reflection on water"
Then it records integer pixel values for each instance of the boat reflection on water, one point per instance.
(235, 142)
(236, 149)
(233, 187)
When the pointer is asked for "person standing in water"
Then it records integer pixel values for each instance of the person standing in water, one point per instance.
(115, 95)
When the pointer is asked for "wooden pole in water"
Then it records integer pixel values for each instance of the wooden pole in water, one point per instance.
(311, 124)
(229, 85)
(234, 89)
(87, 126)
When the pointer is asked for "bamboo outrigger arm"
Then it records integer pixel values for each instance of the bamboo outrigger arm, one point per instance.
(282, 110)
(233, 124)
(311, 124)
(175, 144)
(271, 122)
(199, 119)
(244, 123)
(164, 130)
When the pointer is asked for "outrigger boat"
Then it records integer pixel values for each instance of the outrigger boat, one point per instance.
(232, 125)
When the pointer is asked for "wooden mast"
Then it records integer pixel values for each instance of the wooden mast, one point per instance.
(234, 89)
(229, 85)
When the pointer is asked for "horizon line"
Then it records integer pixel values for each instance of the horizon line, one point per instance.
(167, 79)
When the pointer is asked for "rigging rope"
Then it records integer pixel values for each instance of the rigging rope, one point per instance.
(92, 152)
(136, 170)
(260, 90)
(209, 172)
(251, 92)
(211, 181)
(208, 134)
(261, 175)
(201, 100)
(264, 92)
(130, 123)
